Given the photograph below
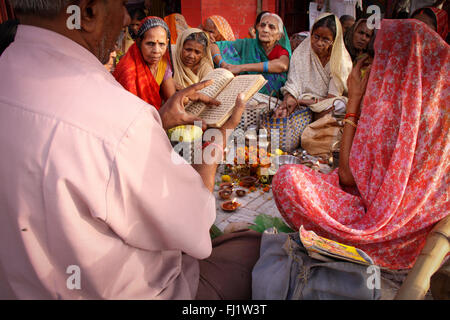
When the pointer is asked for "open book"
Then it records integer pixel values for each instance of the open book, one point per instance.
(225, 88)
(320, 248)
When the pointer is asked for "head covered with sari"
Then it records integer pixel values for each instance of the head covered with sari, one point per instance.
(307, 75)
(349, 37)
(399, 156)
(440, 19)
(246, 51)
(133, 73)
(184, 76)
(177, 24)
(223, 27)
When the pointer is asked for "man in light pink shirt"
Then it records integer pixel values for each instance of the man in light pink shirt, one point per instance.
(91, 204)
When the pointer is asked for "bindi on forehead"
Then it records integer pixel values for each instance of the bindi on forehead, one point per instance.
(270, 21)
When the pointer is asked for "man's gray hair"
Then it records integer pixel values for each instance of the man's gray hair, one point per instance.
(47, 8)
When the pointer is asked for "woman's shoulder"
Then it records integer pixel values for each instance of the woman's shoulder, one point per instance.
(277, 52)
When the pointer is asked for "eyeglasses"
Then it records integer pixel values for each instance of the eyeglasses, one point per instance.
(324, 40)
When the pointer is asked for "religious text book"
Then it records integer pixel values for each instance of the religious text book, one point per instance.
(225, 88)
(319, 247)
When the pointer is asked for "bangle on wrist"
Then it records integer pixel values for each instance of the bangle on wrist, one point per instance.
(354, 115)
(217, 54)
(220, 62)
(266, 67)
(350, 122)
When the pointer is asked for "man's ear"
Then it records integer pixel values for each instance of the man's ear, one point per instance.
(92, 14)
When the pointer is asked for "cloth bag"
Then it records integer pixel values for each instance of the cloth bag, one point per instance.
(323, 136)
(285, 271)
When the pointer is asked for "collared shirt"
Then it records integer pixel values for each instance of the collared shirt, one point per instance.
(93, 203)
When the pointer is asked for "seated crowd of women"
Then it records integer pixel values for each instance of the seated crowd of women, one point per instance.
(384, 197)
(168, 55)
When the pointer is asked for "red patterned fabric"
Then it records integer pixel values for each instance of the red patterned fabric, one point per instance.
(442, 21)
(399, 157)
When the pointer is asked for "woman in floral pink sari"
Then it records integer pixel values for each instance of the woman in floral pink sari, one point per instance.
(393, 182)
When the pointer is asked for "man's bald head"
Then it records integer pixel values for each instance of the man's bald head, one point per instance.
(100, 21)
(45, 8)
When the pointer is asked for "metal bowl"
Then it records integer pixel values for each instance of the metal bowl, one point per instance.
(285, 159)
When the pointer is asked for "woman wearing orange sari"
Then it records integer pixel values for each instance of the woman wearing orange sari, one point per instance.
(218, 29)
(392, 185)
(146, 69)
(177, 24)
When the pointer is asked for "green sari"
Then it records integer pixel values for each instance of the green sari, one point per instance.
(245, 51)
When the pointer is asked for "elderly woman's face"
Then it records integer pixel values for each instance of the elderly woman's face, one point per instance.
(192, 53)
(268, 30)
(211, 29)
(361, 36)
(322, 41)
(154, 45)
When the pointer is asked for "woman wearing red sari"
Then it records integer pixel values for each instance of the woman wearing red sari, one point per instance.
(146, 68)
(393, 182)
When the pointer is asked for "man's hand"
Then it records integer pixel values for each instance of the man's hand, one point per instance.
(173, 113)
(208, 170)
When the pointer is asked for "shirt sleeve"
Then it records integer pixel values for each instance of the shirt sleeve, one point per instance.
(155, 199)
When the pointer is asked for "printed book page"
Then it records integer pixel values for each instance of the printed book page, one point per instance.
(221, 77)
(247, 84)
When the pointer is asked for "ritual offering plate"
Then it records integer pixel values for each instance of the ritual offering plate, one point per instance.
(225, 194)
(249, 181)
(241, 193)
(230, 206)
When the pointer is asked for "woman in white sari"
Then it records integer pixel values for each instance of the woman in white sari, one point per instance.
(318, 71)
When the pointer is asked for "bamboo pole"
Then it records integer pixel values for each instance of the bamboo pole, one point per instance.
(430, 259)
